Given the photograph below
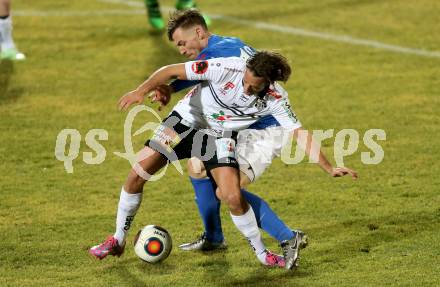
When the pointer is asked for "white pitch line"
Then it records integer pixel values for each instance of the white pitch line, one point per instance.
(333, 37)
(306, 33)
(78, 13)
(255, 24)
(127, 3)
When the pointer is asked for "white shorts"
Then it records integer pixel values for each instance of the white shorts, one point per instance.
(256, 149)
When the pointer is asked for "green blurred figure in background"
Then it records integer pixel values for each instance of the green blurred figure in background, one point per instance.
(155, 17)
(8, 50)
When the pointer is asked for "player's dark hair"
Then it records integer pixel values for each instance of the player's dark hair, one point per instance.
(269, 65)
(184, 19)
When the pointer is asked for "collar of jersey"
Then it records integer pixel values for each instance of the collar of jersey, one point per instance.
(213, 39)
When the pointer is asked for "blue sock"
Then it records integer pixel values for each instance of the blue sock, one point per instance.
(209, 208)
(267, 219)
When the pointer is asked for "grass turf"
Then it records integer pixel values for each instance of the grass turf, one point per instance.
(381, 230)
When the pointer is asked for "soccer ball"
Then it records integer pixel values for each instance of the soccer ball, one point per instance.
(152, 244)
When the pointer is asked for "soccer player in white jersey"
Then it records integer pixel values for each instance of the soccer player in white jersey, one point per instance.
(249, 100)
(189, 32)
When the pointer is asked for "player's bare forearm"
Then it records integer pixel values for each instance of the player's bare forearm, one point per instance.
(313, 150)
(324, 163)
(162, 76)
(305, 140)
(158, 78)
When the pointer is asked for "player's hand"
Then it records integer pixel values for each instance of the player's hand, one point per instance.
(130, 98)
(341, 171)
(162, 95)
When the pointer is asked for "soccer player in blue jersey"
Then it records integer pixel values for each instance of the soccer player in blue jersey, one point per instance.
(191, 36)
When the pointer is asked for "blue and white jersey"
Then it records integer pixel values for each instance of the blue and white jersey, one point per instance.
(224, 47)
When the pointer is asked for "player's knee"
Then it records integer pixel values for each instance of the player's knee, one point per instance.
(196, 169)
(135, 182)
(218, 193)
(232, 199)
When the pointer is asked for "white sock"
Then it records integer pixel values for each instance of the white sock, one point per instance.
(6, 33)
(247, 224)
(127, 208)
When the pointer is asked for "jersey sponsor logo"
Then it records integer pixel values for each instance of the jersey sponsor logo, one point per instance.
(200, 67)
(289, 111)
(260, 104)
(223, 105)
(220, 117)
(274, 94)
(233, 70)
(244, 97)
(228, 85)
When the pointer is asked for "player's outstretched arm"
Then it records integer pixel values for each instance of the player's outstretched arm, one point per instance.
(158, 78)
(305, 140)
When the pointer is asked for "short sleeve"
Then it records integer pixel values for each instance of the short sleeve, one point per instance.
(283, 113)
(214, 70)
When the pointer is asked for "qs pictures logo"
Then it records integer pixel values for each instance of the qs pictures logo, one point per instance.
(68, 144)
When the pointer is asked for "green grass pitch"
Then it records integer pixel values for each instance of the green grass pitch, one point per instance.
(382, 230)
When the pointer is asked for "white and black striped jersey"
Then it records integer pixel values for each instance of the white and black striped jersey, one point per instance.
(220, 104)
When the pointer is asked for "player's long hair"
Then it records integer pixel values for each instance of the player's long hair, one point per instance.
(184, 19)
(269, 65)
